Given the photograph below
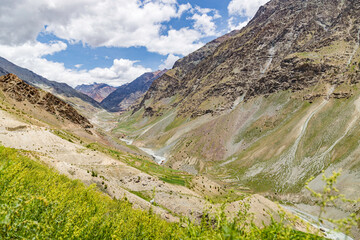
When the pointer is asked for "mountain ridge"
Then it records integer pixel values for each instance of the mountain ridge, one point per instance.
(271, 106)
(97, 91)
(126, 95)
(233, 69)
(20, 91)
(60, 89)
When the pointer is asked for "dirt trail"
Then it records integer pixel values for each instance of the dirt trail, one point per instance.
(111, 176)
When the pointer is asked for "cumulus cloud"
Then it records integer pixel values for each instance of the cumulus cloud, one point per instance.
(242, 8)
(30, 55)
(245, 8)
(233, 24)
(169, 62)
(122, 71)
(109, 23)
(176, 42)
(204, 20)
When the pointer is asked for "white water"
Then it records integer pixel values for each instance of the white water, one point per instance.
(327, 227)
(127, 141)
(157, 158)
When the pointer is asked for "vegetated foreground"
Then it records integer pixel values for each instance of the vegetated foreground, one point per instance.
(38, 203)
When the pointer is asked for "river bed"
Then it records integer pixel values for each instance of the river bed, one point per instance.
(326, 226)
(156, 157)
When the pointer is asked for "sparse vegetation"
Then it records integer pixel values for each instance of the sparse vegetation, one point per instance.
(146, 165)
(38, 203)
(330, 197)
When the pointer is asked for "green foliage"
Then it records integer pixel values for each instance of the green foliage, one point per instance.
(145, 165)
(330, 197)
(174, 124)
(38, 203)
(66, 135)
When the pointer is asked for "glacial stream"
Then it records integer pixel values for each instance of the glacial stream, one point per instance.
(156, 157)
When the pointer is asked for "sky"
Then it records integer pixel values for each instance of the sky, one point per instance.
(112, 41)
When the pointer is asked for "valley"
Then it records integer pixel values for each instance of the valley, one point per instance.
(259, 126)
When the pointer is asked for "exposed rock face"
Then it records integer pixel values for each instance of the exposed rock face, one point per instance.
(128, 94)
(97, 91)
(288, 45)
(59, 89)
(268, 107)
(17, 89)
(186, 64)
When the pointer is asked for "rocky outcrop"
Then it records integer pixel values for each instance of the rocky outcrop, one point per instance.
(97, 91)
(288, 45)
(58, 89)
(20, 91)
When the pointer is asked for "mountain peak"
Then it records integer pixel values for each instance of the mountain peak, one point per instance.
(128, 94)
(97, 91)
(287, 45)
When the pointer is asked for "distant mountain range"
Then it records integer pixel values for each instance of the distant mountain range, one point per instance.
(61, 90)
(126, 95)
(97, 91)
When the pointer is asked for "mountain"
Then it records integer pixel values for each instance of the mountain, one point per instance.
(97, 91)
(39, 156)
(62, 90)
(126, 95)
(267, 108)
(280, 59)
(18, 91)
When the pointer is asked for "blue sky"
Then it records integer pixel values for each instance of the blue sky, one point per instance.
(112, 41)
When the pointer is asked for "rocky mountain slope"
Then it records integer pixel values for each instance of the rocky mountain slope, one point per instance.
(269, 55)
(126, 95)
(62, 90)
(16, 89)
(146, 185)
(97, 91)
(269, 107)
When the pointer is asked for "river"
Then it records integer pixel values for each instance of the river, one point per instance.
(156, 157)
(326, 227)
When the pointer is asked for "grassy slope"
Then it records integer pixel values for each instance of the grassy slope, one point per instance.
(38, 203)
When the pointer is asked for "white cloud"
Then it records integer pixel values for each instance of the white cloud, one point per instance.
(245, 8)
(242, 8)
(30, 50)
(204, 20)
(205, 24)
(29, 55)
(122, 71)
(169, 62)
(110, 23)
(240, 25)
(183, 39)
